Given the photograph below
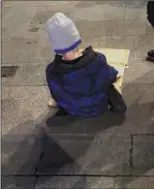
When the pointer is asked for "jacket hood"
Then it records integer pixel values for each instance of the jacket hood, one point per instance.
(61, 66)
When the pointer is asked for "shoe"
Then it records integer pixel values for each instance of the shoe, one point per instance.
(150, 56)
(151, 53)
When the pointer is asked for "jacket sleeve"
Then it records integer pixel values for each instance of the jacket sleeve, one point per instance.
(49, 74)
(112, 72)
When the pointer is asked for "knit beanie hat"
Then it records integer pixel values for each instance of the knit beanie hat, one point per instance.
(63, 34)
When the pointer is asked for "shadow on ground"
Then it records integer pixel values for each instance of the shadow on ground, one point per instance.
(39, 153)
(39, 156)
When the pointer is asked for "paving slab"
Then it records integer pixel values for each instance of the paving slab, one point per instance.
(36, 3)
(5, 10)
(96, 155)
(32, 22)
(139, 72)
(66, 125)
(13, 17)
(18, 182)
(74, 182)
(78, 8)
(26, 28)
(24, 108)
(19, 50)
(20, 153)
(27, 74)
(105, 123)
(55, 159)
(136, 4)
(143, 155)
(32, 51)
(98, 11)
(45, 52)
(129, 27)
(143, 44)
(118, 42)
(22, 30)
(150, 29)
(134, 183)
(136, 10)
(94, 28)
(109, 28)
(43, 13)
(60, 182)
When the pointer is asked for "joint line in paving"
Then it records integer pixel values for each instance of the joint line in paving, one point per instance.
(131, 152)
(79, 175)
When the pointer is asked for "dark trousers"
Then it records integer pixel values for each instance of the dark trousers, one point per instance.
(150, 12)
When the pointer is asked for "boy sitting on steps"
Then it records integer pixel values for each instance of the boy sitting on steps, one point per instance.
(78, 82)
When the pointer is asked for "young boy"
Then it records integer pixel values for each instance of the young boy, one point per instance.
(78, 82)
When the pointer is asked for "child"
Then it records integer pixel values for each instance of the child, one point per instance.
(78, 82)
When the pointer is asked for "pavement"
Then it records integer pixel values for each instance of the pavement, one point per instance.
(107, 152)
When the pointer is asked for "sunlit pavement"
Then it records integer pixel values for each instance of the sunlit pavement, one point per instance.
(110, 151)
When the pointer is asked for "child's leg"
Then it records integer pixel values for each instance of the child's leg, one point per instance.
(61, 112)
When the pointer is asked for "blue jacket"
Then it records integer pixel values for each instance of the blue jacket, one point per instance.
(80, 87)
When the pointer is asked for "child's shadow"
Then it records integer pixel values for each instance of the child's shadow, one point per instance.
(62, 123)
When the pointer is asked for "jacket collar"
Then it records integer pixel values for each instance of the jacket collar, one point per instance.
(61, 66)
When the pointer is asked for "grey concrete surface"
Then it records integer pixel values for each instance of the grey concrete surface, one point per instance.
(75, 182)
(28, 75)
(18, 182)
(79, 152)
(110, 151)
(19, 151)
(23, 107)
(135, 182)
(141, 151)
(150, 29)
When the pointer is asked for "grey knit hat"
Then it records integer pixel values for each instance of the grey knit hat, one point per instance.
(63, 34)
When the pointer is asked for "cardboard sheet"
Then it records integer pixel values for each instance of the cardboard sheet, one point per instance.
(118, 58)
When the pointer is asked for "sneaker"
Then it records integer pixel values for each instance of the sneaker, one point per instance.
(151, 53)
(151, 56)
